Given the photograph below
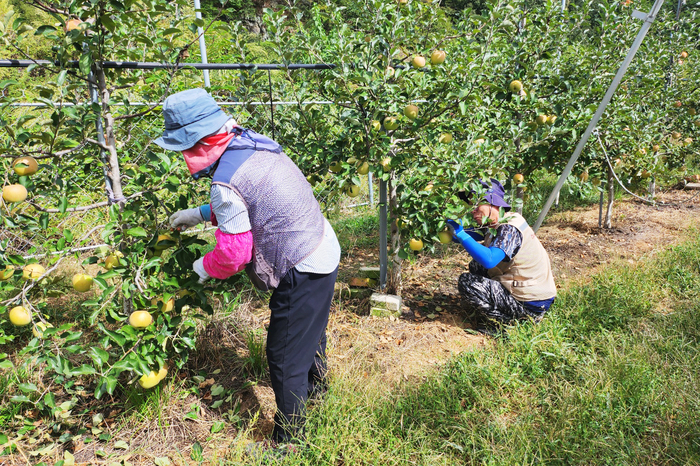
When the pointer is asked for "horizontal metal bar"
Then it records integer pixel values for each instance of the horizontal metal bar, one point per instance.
(150, 104)
(135, 65)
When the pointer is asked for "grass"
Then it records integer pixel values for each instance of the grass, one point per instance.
(607, 378)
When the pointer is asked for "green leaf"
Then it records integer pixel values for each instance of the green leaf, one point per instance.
(121, 444)
(44, 30)
(28, 387)
(20, 399)
(63, 204)
(84, 63)
(6, 365)
(138, 232)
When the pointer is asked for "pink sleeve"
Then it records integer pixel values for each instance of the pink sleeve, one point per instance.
(230, 255)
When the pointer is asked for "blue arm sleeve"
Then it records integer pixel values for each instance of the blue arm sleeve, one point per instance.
(205, 210)
(478, 235)
(488, 257)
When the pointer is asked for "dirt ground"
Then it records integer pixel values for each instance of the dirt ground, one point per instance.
(434, 326)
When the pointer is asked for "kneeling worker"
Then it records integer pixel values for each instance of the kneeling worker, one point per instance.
(510, 277)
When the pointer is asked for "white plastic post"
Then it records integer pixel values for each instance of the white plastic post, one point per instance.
(383, 221)
(202, 44)
(648, 19)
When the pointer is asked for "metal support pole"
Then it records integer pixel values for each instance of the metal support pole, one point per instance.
(383, 254)
(371, 188)
(600, 209)
(202, 44)
(648, 20)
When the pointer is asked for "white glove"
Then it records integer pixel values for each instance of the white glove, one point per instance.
(184, 219)
(198, 267)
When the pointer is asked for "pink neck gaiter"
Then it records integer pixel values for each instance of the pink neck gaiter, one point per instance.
(206, 151)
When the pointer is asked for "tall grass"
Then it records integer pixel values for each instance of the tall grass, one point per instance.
(609, 377)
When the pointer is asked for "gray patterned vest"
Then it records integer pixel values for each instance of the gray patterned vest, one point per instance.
(286, 220)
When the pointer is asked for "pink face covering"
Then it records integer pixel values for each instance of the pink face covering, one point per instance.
(206, 151)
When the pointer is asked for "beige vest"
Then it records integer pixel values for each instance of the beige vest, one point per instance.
(528, 276)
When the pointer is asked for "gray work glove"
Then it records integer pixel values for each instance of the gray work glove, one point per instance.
(184, 219)
(198, 267)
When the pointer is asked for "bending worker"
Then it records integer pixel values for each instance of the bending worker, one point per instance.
(510, 277)
(270, 224)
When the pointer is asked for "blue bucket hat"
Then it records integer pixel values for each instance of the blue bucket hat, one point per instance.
(494, 195)
(189, 116)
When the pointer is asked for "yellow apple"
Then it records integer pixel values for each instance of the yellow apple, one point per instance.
(153, 378)
(386, 164)
(516, 86)
(391, 123)
(692, 111)
(162, 240)
(32, 271)
(688, 140)
(389, 72)
(445, 237)
(112, 260)
(376, 125)
(678, 104)
(437, 57)
(684, 54)
(140, 319)
(353, 190)
(363, 169)
(39, 328)
(655, 147)
(14, 193)
(25, 166)
(336, 167)
(445, 138)
(411, 111)
(541, 119)
(595, 181)
(19, 316)
(551, 119)
(415, 244)
(166, 307)
(518, 178)
(676, 135)
(82, 282)
(583, 176)
(7, 273)
(418, 61)
(72, 24)
(479, 141)
(697, 123)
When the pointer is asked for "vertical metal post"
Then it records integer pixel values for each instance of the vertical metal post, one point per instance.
(94, 97)
(202, 44)
(383, 254)
(371, 188)
(272, 105)
(648, 19)
(600, 210)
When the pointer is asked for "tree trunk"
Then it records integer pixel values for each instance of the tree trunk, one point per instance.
(611, 198)
(109, 139)
(395, 285)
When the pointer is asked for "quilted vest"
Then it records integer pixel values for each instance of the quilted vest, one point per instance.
(528, 276)
(285, 218)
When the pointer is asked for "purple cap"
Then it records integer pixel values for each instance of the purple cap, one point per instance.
(495, 194)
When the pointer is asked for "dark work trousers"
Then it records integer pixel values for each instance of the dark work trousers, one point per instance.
(489, 299)
(296, 345)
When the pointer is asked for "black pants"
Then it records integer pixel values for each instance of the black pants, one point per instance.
(489, 299)
(296, 345)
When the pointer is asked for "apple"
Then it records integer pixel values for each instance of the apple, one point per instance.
(516, 86)
(351, 161)
(595, 181)
(551, 119)
(418, 61)
(692, 112)
(541, 119)
(153, 378)
(19, 316)
(376, 125)
(583, 176)
(445, 138)
(688, 140)
(7, 273)
(479, 141)
(389, 72)
(684, 54)
(697, 123)
(415, 244)
(32, 271)
(140, 319)
(14, 193)
(411, 111)
(437, 57)
(445, 237)
(166, 307)
(641, 152)
(428, 187)
(363, 169)
(82, 282)
(312, 180)
(72, 24)
(655, 147)
(678, 104)
(403, 2)
(391, 123)
(24, 166)
(645, 174)
(353, 190)
(518, 178)
(676, 135)
(386, 164)
(680, 62)
(39, 328)
(112, 260)
(163, 240)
